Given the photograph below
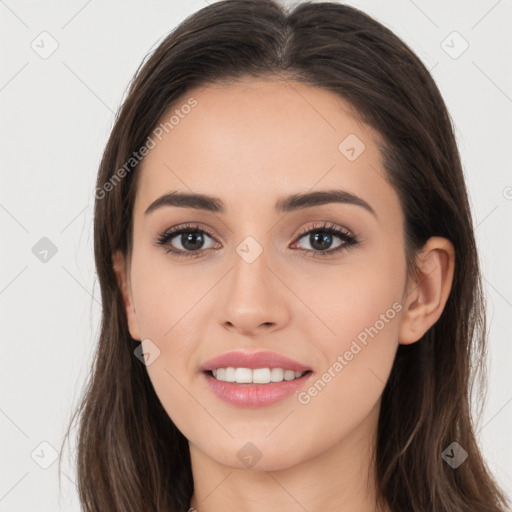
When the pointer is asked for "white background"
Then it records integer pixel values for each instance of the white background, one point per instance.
(56, 116)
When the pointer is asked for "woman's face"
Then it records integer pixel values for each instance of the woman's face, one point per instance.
(255, 281)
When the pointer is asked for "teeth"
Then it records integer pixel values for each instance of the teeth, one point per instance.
(256, 376)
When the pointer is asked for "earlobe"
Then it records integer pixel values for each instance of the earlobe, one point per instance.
(426, 295)
(119, 266)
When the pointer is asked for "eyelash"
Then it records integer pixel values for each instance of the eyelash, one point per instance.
(348, 239)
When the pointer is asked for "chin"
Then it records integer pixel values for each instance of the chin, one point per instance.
(257, 455)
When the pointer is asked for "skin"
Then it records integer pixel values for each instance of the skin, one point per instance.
(249, 144)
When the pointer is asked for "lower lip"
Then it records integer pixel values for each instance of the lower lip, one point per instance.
(254, 395)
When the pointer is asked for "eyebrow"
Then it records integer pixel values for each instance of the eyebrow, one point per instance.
(283, 205)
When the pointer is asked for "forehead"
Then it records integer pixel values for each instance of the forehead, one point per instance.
(254, 141)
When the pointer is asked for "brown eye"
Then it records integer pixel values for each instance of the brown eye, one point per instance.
(186, 241)
(322, 237)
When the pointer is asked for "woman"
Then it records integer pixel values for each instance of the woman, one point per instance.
(291, 294)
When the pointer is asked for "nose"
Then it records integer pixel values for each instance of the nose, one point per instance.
(254, 298)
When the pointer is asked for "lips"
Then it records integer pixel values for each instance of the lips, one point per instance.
(253, 360)
(253, 394)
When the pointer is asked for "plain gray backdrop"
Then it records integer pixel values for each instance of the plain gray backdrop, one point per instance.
(65, 69)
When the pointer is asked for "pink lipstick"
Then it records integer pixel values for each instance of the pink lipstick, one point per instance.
(254, 379)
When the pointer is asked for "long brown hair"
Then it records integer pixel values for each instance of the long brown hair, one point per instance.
(130, 455)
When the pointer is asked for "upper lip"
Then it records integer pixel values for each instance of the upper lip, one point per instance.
(253, 360)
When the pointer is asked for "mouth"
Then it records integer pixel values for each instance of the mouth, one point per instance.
(251, 392)
(257, 376)
(254, 379)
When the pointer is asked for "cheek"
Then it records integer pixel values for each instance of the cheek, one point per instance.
(166, 294)
(167, 301)
(356, 301)
(358, 361)
(355, 328)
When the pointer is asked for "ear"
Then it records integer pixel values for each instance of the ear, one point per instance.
(122, 274)
(427, 293)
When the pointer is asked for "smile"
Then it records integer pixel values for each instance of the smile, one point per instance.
(255, 376)
(250, 393)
